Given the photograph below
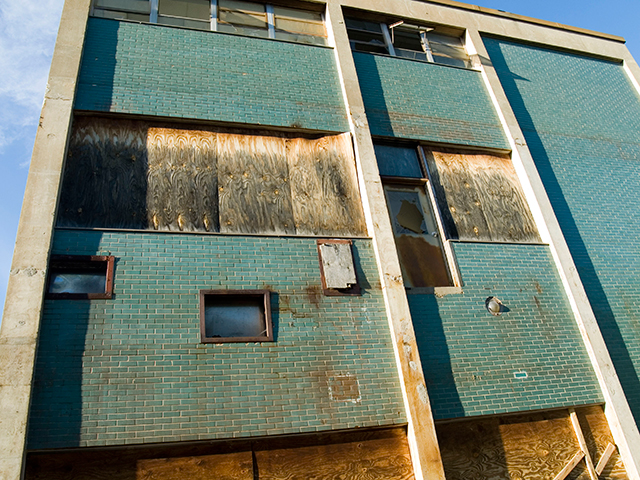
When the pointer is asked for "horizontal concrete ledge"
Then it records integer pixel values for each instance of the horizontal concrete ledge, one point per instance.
(522, 18)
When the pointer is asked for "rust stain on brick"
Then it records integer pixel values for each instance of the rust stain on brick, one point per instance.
(314, 294)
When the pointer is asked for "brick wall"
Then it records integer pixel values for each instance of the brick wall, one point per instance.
(581, 118)
(132, 369)
(475, 362)
(424, 101)
(173, 72)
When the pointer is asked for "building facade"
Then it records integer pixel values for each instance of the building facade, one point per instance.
(339, 239)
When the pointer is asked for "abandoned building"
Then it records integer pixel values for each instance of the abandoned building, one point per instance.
(341, 239)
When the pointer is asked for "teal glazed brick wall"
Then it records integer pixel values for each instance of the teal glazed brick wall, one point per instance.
(174, 72)
(132, 369)
(581, 120)
(424, 101)
(470, 357)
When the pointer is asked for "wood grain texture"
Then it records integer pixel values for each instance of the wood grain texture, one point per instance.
(232, 466)
(182, 180)
(598, 436)
(386, 459)
(253, 183)
(536, 446)
(324, 186)
(480, 197)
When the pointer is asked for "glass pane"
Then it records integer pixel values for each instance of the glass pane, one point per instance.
(417, 239)
(184, 22)
(120, 15)
(413, 54)
(353, 23)
(199, 9)
(242, 13)
(77, 282)
(299, 38)
(242, 30)
(228, 318)
(298, 21)
(398, 161)
(138, 6)
(407, 39)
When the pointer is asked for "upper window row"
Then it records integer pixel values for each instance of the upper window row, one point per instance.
(406, 40)
(230, 16)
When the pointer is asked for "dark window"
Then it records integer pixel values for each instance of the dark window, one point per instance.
(80, 277)
(235, 316)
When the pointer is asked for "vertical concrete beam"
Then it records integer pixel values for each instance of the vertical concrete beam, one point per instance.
(423, 442)
(25, 292)
(621, 421)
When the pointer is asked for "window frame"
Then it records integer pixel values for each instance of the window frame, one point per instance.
(59, 261)
(426, 184)
(214, 11)
(265, 295)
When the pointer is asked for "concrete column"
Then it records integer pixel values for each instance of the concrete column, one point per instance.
(421, 432)
(618, 413)
(25, 292)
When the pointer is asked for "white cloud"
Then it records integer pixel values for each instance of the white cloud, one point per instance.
(27, 34)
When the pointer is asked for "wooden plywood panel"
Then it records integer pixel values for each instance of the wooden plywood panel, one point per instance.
(326, 199)
(480, 197)
(253, 185)
(182, 180)
(104, 182)
(232, 466)
(597, 436)
(384, 459)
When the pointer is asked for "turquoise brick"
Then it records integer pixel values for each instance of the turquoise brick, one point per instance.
(423, 101)
(469, 356)
(156, 71)
(580, 117)
(125, 370)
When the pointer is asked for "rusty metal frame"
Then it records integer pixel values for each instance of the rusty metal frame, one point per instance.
(337, 292)
(265, 295)
(62, 261)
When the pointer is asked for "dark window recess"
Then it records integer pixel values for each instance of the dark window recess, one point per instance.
(80, 277)
(235, 316)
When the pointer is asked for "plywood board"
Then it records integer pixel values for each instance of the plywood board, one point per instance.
(253, 185)
(232, 466)
(385, 459)
(480, 197)
(326, 199)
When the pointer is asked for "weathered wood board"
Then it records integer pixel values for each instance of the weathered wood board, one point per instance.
(525, 447)
(480, 197)
(141, 175)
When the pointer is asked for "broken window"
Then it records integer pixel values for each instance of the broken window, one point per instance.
(235, 316)
(436, 196)
(80, 277)
(401, 39)
(241, 17)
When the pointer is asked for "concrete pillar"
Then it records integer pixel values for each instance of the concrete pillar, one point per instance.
(621, 421)
(421, 432)
(25, 292)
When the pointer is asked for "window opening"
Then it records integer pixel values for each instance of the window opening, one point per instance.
(229, 16)
(80, 277)
(405, 40)
(235, 316)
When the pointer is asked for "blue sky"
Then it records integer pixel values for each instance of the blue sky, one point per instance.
(27, 34)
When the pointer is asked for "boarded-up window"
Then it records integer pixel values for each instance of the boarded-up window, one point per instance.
(137, 175)
(480, 197)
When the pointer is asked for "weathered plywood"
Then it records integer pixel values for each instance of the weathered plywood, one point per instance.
(253, 185)
(598, 436)
(384, 459)
(480, 197)
(182, 180)
(105, 179)
(326, 199)
(232, 466)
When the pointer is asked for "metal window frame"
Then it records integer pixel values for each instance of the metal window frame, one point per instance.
(57, 262)
(265, 295)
